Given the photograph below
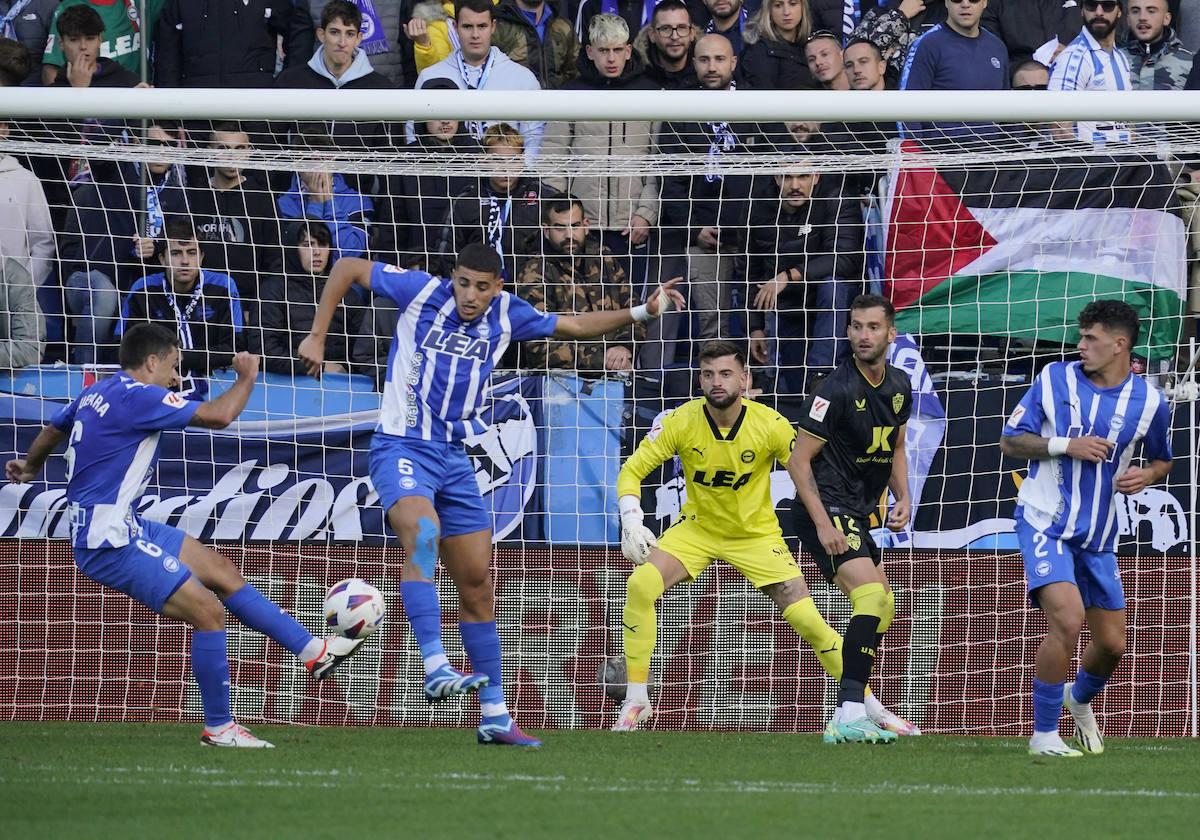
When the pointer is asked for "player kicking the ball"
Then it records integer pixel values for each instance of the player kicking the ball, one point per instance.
(112, 431)
(1079, 426)
(851, 450)
(728, 447)
(449, 336)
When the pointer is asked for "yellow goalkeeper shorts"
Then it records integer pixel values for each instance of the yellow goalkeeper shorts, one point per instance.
(762, 560)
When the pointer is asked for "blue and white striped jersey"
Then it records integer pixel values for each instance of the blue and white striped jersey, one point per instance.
(438, 366)
(1069, 499)
(112, 446)
(1085, 65)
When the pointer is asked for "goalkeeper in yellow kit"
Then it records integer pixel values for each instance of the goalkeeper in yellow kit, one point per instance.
(728, 447)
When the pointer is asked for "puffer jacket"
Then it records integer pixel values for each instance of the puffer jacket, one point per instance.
(1163, 65)
(608, 200)
(552, 60)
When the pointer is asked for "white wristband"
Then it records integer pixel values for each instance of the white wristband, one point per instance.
(640, 313)
(629, 503)
(1057, 446)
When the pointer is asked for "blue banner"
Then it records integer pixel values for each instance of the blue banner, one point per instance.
(299, 479)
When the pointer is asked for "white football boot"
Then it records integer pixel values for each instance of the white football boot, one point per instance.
(233, 735)
(632, 713)
(1087, 731)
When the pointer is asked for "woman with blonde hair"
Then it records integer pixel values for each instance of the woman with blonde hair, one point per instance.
(774, 55)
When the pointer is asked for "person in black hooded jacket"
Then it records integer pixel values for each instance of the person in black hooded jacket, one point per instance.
(623, 208)
(289, 304)
(415, 207)
(805, 247)
(503, 209)
(774, 55)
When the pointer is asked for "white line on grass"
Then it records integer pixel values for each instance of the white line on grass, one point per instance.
(289, 778)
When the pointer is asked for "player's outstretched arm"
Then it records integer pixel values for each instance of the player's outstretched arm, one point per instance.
(346, 272)
(799, 467)
(21, 470)
(1030, 447)
(219, 413)
(593, 324)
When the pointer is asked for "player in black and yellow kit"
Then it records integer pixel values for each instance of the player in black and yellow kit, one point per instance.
(850, 449)
(728, 447)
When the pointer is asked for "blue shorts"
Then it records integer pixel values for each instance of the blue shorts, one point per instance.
(148, 569)
(1048, 560)
(438, 470)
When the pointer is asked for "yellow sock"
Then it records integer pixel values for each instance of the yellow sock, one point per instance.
(825, 641)
(643, 588)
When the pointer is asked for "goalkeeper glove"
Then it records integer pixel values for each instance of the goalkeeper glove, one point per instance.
(636, 538)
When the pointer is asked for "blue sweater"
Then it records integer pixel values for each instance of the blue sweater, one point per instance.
(942, 59)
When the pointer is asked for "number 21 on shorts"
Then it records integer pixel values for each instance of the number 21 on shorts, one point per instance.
(1039, 545)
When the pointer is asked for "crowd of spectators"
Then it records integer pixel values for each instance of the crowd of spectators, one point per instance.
(237, 258)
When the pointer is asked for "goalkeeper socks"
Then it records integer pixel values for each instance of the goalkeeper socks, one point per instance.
(482, 643)
(425, 618)
(858, 657)
(637, 693)
(210, 666)
(825, 641)
(257, 613)
(1086, 686)
(639, 621)
(1047, 705)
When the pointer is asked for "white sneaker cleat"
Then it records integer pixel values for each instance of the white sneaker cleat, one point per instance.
(1048, 743)
(337, 649)
(632, 713)
(1087, 731)
(885, 719)
(232, 735)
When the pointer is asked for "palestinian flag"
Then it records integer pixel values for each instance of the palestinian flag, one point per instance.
(1018, 249)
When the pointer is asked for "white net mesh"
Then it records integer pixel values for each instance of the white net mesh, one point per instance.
(990, 241)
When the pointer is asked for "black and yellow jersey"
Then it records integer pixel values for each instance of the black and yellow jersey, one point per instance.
(728, 471)
(859, 421)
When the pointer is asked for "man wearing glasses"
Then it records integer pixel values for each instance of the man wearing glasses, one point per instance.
(1092, 62)
(669, 51)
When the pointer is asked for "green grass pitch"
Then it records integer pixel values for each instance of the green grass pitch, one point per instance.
(125, 780)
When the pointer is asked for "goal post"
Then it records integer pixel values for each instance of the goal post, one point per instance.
(985, 220)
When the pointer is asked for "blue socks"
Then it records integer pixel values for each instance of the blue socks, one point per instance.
(483, 647)
(1086, 686)
(210, 666)
(425, 617)
(257, 613)
(1047, 705)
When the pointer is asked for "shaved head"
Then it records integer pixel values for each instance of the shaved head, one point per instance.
(715, 61)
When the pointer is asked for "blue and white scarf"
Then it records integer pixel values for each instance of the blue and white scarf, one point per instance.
(374, 39)
(7, 28)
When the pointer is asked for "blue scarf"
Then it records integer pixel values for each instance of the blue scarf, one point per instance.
(6, 23)
(374, 39)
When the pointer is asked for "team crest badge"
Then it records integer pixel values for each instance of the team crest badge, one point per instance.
(747, 456)
(897, 403)
(854, 541)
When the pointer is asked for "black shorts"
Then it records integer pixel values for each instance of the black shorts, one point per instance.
(858, 537)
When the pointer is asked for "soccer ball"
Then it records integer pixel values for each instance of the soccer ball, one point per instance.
(612, 677)
(353, 608)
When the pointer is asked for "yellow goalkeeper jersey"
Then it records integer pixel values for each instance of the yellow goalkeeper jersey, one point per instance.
(728, 471)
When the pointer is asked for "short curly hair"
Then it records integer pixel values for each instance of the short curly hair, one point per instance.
(1114, 316)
